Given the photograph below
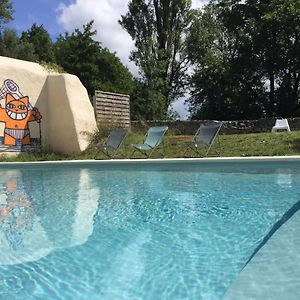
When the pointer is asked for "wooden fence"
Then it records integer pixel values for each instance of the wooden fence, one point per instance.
(112, 108)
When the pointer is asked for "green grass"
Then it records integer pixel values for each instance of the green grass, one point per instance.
(239, 145)
(261, 144)
(256, 144)
(41, 156)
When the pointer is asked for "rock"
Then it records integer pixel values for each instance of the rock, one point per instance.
(61, 99)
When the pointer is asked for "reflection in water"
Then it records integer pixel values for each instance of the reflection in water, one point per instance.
(284, 177)
(16, 211)
(27, 216)
(85, 209)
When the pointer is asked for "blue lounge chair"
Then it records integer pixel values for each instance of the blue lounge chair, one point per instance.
(113, 142)
(205, 137)
(154, 139)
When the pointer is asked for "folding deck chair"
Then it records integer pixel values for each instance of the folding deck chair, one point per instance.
(205, 137)
(113, 142)
(154, 138)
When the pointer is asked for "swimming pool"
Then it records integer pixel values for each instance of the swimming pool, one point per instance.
(136, 231)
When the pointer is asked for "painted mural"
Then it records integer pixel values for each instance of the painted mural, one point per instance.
(16, 114)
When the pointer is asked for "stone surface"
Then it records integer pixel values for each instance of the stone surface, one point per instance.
(67, 113)
(274, 272)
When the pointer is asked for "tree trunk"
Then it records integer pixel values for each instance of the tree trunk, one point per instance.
(272, 92)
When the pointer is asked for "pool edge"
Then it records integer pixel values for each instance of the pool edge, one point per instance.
(166, 160)
(273, 272)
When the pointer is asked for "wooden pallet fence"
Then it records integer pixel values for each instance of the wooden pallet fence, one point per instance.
(112, 108)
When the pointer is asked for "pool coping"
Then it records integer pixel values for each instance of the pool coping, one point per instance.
(294, 158)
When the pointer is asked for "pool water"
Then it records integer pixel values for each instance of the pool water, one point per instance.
(91, 232)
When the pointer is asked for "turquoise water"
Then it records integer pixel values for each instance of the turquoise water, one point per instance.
(86, 232)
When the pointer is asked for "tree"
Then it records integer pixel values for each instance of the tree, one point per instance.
(221, 74)
(12, 46)
(78, 54)
(9, 43)
(158, 29)
(287, 14)
(141, 108)
(41, 42)
(276, 38)
(96, 67)
(6, 11)
(246, 63)
(113, 75)
(271, 30)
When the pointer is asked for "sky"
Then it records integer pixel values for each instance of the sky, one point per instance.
(59, 16)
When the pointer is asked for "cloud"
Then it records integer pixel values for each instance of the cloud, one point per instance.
(105, 14)
(198, 3)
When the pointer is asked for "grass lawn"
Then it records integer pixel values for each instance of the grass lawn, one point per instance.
(255, 144)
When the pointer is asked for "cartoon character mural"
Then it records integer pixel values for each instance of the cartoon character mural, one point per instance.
(16, 115)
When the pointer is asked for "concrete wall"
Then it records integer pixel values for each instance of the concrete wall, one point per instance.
(67, 114)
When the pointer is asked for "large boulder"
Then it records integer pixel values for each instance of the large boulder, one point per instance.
(60, 99)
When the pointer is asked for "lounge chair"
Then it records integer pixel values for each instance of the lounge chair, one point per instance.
(113, 142)
(205, 137)
(154, 138)
(281, 124)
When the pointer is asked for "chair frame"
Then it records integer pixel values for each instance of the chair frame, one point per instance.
(209, 145)
(113, 149)
(152, 149)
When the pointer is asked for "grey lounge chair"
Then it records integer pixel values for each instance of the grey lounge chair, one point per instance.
(153, 139)
(113, 142)
(205, 137)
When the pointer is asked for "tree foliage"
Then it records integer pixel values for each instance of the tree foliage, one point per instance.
(222, 74)
(280, 48)
(158, 28)
(146, 102)
(245, 59)
(241, 58)
(6, 11)
(113, 75)
(12, 46)
(78, 53)
(40, 39)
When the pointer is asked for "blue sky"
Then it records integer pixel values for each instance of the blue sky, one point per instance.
(59, 16)
(42, 12)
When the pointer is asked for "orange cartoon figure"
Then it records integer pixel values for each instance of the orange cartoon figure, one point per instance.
(16, 115)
